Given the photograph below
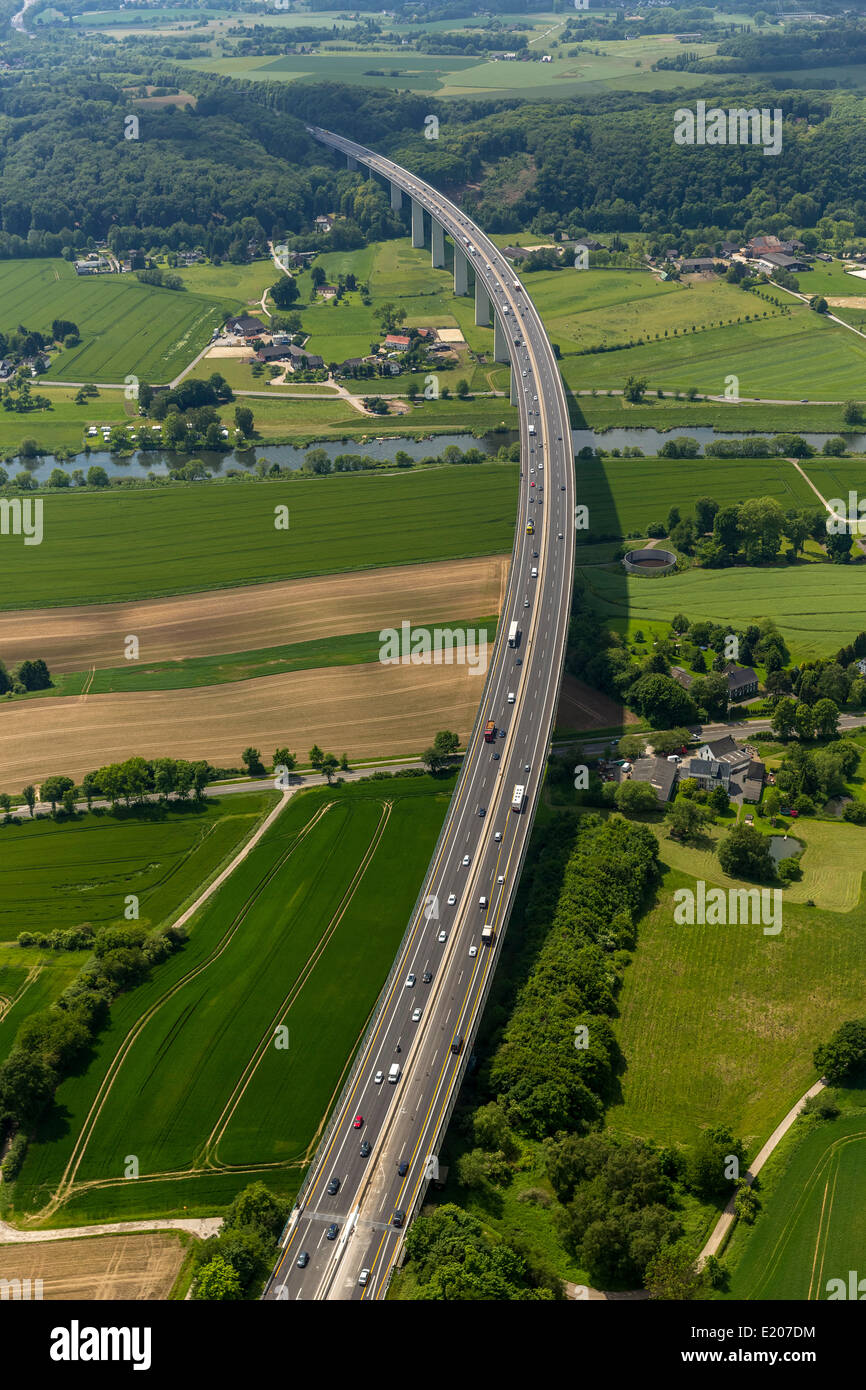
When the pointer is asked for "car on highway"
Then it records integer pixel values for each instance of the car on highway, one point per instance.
(534, 572)
(398, 1218)
(427, 976)
(526, 600)
(473, 950)
(403, 1167)
(334, 1184)
(331, 1233)
(519, 661)
(465, 860)
(358, 1121)
(496, 757)
(498, 835)
(379, 1078)
(482, 810)
(501, 878)
(363, 1276)
(416, 1015)
(452, 898)
(366, 1148)
(410, 980)
(303, 1259)
(443, 936)
(482, 901)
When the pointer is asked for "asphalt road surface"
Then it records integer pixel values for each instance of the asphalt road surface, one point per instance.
(423, 1025)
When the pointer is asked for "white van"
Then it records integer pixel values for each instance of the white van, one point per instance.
(511, 697)
(394, 1072)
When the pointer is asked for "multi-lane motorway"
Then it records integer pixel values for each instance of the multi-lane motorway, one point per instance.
(380, 1147)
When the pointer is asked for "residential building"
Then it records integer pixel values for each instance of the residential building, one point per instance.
(245, 326)
(658, 772)
(400, 341)
(742, 681)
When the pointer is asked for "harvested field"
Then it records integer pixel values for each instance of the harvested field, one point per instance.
(581, 707)
(296, 610)
(366, 711)
(141, 1265)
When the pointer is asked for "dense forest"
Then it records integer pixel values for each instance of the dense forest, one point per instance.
(220, 176)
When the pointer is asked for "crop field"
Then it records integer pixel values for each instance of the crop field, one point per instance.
(731, 1041)
(55, 875)
(780, 357)
(368, 711)
(817, 607)
(148, 544)
(613, 66)
(627, 495)
(301, 934)
(125, 327)
(813, 1224)
(301, 613)
(141, 1264)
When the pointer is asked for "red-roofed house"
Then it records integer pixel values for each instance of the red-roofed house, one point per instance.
(397, 340)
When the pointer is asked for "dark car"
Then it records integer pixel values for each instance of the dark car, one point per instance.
(403, 1167)
(333, 1187)
(398, 1218)
(481, 810)
(427, 976)
(519, 661)
(365, 1148)
(303, 1259)
(331, 1233)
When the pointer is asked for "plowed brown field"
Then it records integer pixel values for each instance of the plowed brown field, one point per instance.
(264, 615)
(139, 1265)
(364, 711)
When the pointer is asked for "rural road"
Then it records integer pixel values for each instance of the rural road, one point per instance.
(728, 1217)
(203, 1226)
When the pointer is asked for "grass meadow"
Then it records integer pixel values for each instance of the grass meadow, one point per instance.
(191, 537)
(301, 934)
(818, 608)
(718, 1023)
(125, 327)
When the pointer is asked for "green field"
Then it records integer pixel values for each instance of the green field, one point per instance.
(352, 649)
(125, 327)
(813, 1224)
(784, 357)
(817, 607)
(54, 875)
(189, 537)
(602, 412)
(63, 426)
(302, 934)
(613, 65)
(626, 495)
(718, 1022)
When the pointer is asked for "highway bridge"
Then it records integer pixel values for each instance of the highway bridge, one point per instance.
(380, 1148)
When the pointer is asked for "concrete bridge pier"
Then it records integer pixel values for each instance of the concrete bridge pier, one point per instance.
(438, 245)
(501, 351)
(461, 272)
(417, 224)
(482, 304)
(396, 197)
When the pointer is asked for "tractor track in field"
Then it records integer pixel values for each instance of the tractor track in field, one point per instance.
(211, 1145)
(67, 1181)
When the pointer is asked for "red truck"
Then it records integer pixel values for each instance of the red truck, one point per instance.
(490, 731)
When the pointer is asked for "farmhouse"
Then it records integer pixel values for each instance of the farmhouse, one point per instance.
(245, 326)
(753, 782)
(658, 772)
(272, 352)
(301, 360)
(724, 750)
(328, 291)
(742, 681)
(694, 265)
(323, 224)
(708, 773)
(777, 260)
(398, 340)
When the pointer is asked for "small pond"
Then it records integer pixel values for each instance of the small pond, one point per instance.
(784, 847)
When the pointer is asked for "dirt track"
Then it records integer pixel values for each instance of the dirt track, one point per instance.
(362, 710)
(262, 615)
